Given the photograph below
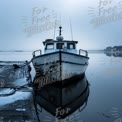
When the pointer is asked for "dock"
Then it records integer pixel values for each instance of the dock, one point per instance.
(16, 93)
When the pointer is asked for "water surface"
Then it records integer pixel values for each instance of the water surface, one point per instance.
(104, 75)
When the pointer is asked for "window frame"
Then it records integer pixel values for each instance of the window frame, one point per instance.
(49, 44)
(68, 46)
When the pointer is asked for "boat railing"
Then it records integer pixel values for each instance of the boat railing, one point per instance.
(83, 51)
(34, 52)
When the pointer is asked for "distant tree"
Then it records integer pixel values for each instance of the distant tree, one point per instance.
(109, 48)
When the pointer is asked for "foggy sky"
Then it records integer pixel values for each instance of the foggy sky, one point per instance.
(24, 24)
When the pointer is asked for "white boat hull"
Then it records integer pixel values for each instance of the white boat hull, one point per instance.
(59, 66)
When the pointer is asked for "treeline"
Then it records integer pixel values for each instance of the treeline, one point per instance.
(114, 48)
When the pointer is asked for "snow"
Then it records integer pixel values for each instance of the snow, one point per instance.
(18, 96)
(13, 78)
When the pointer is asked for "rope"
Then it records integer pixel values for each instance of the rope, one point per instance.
(14, 90)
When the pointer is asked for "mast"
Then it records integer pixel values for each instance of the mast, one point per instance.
(60, 30)
(60, 37)
(71, 28)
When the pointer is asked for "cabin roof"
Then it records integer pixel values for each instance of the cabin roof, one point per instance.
(53, 41)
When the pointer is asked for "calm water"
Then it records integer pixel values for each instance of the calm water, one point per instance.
(104, 75)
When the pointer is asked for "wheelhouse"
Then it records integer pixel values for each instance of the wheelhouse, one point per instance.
(55, 45)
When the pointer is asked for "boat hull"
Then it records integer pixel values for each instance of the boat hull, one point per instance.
(59, 67)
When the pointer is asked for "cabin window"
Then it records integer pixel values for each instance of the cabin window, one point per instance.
(60, 45)
(71, 46)
(50, 46)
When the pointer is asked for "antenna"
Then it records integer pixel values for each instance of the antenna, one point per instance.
(55, 26)
(60, 27)
(60, 30)
(60, 19)
(71, 28)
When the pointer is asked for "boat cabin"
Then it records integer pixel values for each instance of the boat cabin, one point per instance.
(59, 44)
(56, 45)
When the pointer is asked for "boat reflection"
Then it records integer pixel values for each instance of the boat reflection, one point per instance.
(62, 101)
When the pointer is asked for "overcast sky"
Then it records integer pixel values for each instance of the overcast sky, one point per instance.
(24, 24)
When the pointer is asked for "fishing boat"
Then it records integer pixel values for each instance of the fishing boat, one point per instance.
(60, 61)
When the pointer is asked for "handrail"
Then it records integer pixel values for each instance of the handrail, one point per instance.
(86, 53)
(36, 51)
